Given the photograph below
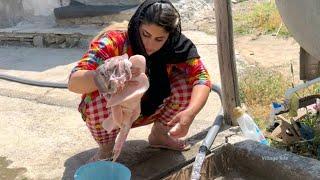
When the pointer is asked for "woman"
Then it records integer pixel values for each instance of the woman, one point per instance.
(179, 82)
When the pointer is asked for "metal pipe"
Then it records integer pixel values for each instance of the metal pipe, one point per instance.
(208, 140)
(212, 133)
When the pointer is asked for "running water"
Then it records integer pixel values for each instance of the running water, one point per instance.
(197, 165)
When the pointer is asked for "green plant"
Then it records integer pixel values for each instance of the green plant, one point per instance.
(258, 88)
(262, 17)
(310, 119)
(313, 89)
(310, 148)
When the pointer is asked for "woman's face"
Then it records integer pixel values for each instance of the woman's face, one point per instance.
(153, 37)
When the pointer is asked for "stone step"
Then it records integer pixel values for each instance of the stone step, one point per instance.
(70, 37)
(53, 36)
(64, 32)
(76, 32)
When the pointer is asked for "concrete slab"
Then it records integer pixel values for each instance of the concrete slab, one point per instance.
(47, 64)
(250, 160)
(43, 134)
(51, 142)
(55, 64)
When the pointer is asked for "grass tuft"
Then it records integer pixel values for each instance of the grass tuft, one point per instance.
(258, 88)
(261, 18)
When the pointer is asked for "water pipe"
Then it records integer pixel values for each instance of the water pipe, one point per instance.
(290, 91)
(212, 133)
(208, 140)
(33, 82)
(284, 107)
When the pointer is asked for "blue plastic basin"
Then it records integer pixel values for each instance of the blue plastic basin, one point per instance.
(103, 170)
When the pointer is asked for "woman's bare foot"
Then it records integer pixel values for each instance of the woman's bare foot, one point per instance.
(159, 138)
(104, 152)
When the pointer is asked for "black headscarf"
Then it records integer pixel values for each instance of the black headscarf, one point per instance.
(176, 49)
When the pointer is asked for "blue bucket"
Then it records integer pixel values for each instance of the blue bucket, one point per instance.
(104, 170)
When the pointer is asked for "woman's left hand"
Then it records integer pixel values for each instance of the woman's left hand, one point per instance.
(182, 122)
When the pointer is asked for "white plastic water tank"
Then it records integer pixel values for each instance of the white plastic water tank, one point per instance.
(302, 18)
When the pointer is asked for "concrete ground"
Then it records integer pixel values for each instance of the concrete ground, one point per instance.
(43, 136)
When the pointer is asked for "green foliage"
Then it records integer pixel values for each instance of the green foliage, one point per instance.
(313, 89)
(258, 88)
(261, 86)
(310, 120)
(261, 18)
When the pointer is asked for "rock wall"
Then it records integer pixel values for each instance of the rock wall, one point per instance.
(195, 15)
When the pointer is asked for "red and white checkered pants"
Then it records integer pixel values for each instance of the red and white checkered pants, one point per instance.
(95, 111)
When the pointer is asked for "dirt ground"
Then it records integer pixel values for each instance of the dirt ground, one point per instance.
(266, 51)
(263, 50)
(270, 52)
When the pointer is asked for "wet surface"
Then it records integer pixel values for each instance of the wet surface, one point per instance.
(248, 160)
(10, 173)
(232, 175)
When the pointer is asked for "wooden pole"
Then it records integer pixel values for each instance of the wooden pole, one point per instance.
(229, 81)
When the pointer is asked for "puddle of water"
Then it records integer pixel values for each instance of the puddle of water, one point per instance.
(10, 173)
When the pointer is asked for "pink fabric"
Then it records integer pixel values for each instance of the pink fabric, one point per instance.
(125, 103)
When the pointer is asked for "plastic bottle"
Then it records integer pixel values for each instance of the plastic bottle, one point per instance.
(276, 108)
(248, 126)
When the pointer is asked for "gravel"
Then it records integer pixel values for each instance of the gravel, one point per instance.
(196, 15)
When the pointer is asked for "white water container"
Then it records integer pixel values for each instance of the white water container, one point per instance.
(248, 126)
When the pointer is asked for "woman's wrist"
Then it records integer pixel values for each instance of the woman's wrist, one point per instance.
(82, 82)
(191, 110)
(191, 115)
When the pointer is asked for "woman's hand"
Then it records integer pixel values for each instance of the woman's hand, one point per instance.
(184, 118)
(182, 122)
